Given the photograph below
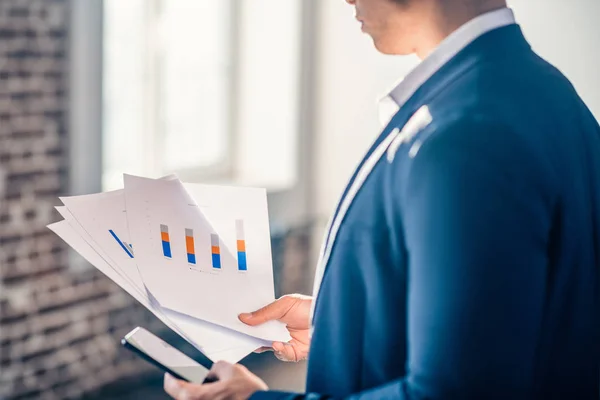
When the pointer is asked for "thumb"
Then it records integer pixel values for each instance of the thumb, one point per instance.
(221, 370)
(176, 388)
(274, 311)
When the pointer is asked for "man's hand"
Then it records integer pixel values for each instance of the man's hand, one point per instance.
(235, 382)
(294, 311)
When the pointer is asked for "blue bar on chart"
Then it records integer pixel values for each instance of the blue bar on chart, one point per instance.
(189, 246)
(215, 251)
(166, 241)
(241, 245)
(121, 243)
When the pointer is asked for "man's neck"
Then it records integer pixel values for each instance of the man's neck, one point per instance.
(448, 17)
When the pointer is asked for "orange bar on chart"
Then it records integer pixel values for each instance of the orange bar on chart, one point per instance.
(241, 245)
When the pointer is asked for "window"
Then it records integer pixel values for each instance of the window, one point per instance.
(168, 88)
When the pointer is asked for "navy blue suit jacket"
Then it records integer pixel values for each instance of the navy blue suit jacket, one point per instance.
(469, 270)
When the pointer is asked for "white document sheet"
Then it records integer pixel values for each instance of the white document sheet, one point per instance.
(204, 251)
(208, 338)
(103, 217)
(100, 217)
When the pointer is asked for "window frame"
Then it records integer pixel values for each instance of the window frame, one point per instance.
(85, 96)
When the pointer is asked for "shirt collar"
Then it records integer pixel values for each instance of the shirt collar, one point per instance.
(447, 49)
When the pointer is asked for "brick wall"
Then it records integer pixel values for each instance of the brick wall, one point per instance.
(58, 325)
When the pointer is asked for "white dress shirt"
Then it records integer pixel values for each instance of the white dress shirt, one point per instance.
(446, 50)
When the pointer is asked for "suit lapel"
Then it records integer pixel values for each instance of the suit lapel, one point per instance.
(359, 177)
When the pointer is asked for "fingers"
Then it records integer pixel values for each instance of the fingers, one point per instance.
(171, 386)
(270, 312)
(263, 349)
(178, 389)
(222, 370)
(181, 390)
(284, 352)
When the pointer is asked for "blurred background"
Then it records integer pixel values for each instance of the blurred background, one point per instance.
(280, 94)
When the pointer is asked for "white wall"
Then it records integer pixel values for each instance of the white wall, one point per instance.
(567, 34)
(352, 76)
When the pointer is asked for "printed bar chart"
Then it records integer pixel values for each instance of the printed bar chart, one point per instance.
(241, 245)
(166, 241)
(123, 245)
(217, 260)
(189, 246)
(215, 251)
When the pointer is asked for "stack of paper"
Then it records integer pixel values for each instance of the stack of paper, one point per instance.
(195, 255)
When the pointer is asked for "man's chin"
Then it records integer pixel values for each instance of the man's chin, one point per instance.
(392, 49)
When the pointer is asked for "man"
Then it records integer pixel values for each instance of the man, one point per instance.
(462, 260)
